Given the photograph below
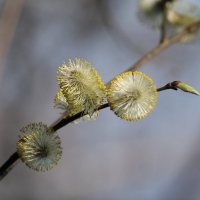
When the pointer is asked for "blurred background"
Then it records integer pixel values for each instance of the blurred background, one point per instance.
(107, 159)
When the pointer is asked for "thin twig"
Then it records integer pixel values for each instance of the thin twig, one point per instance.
(8, 165)
(66, 120)
(168, 86)
(167, 42)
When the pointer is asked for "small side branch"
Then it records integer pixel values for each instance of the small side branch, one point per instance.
(166, 42)
(168, 86)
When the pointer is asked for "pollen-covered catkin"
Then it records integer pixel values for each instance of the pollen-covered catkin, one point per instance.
(132, 95)
(81, 86)
(39, 148)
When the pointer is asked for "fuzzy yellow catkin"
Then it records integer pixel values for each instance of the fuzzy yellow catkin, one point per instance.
(132, 95)
(39, 147)
(81, 86)
(61, 103)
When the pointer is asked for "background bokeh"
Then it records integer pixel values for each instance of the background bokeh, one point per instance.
(107, 159)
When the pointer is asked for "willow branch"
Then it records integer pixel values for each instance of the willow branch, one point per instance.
(63, 121)
(10, 163)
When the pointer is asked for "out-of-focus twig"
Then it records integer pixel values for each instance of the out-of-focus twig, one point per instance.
(8, 23)
(163, 26)
(167, 42)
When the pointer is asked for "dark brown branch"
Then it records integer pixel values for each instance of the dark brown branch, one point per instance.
(8, 165)
(66, 120)
(168, 86)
